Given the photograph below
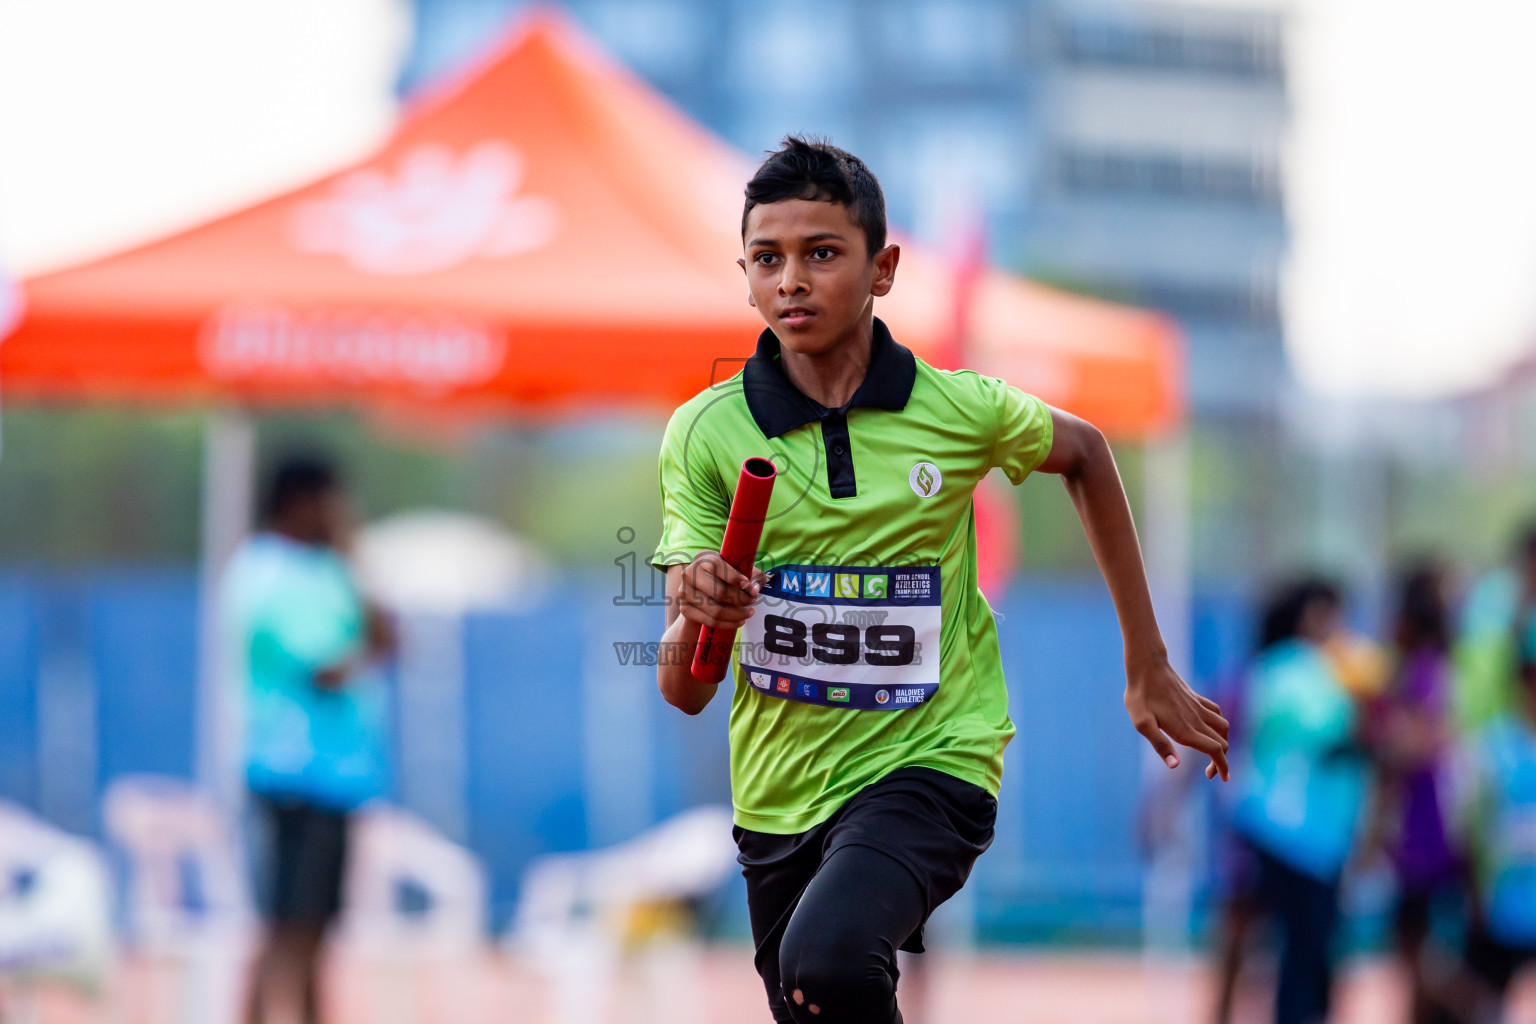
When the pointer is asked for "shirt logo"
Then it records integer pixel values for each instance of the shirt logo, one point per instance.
(847, 584)
(925, 479)
(874, 586)
(818, 584)
(839, 694)
(789, 582)
(760, 680)
(783, 684)
(882, 696)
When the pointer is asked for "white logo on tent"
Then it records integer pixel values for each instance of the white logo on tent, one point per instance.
(436, 212)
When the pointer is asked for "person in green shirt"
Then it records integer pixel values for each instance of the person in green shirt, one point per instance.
(869, 713)
(1486, 653)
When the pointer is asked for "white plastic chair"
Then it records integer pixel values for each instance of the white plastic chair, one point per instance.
(414, 904)
(577, 911)
(187, 896)
(55, 909)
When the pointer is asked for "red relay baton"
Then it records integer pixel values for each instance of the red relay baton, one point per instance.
(742, 532)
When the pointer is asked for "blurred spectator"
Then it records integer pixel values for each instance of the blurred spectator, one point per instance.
(1412, 731)
(1485, 651)
(1303, 785)
(316, 737)
(1500, 823)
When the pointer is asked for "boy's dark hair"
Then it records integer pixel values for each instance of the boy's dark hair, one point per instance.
(1287, 607)
(297, 478)
(807, 168)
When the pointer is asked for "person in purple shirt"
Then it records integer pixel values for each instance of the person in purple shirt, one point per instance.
(1413, 725)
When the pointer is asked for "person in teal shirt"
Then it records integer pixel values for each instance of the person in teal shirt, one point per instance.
(306, 647)
(1303, 783)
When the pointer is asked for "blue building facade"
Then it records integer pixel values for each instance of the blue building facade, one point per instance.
(1126, 149)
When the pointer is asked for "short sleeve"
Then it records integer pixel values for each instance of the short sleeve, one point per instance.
(1023, 435)
(694, 504)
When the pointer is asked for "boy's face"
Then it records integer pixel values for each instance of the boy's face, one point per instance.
(809, 272)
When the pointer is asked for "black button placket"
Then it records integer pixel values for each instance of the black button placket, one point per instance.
(777, 406)
(839, 452)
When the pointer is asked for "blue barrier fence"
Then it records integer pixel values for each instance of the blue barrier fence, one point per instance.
(567, 747)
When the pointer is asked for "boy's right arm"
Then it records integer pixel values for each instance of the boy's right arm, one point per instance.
(705, 592)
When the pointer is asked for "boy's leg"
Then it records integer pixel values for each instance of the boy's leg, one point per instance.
(837, 958)
(932, 827)
(774, 884)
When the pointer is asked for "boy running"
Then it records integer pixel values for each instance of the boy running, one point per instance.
(869, 712)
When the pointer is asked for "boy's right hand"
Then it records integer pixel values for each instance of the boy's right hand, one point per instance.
(715, 594)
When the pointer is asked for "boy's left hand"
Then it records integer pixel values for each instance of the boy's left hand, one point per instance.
(1162, 705)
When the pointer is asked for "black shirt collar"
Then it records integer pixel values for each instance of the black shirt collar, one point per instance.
(779, 407)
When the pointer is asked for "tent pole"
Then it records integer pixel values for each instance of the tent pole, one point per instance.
(1168, 886)
(229, 462)
(1165, 540)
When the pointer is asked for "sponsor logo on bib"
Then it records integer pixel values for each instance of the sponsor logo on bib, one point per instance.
(882, 696)
(839, 694)
(783, 685)
(925, 479)
(818, 584)
(760, 680)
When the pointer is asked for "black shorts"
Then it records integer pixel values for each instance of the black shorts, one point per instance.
(301, 860)
(933, 824)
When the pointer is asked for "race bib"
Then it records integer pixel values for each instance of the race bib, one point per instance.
(846, 636)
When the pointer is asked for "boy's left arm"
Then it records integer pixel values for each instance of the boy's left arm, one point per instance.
(1162, 706)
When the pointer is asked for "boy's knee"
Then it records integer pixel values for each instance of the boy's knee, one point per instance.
(848, 984)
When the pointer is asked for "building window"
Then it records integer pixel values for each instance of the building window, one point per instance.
(958, 40)
(796, 50)
(658, 38)
(1100, 171)
(1252, 52)
(1255, 306)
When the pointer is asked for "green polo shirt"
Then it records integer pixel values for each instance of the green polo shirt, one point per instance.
(871, 536)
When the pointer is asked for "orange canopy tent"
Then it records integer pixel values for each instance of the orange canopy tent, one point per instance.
(545, 233)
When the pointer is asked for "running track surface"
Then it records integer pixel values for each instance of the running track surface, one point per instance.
(1040, 988)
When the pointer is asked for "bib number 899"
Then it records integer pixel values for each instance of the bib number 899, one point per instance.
(837, 643)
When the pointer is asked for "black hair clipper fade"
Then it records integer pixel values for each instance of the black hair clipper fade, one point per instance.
(806, 168)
